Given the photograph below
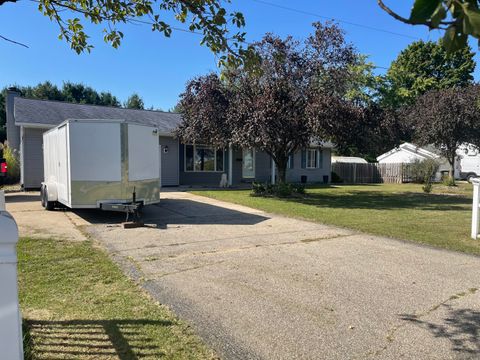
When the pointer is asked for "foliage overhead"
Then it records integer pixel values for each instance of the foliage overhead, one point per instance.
(447, 118)
(279, 106)
(458, 18)
(220, 30)
(424, 66)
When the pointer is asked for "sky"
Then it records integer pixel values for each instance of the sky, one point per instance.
(158, 68)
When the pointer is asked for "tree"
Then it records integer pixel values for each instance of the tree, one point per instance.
(208, 18)
(425, 66)
(71, 92)
(447, 118)
(458, 18)
(134, 102)
(266, 107)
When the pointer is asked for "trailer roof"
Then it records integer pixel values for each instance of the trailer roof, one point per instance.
(52, 113)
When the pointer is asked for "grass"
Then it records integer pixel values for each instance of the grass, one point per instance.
(403, 211)
(76, 303)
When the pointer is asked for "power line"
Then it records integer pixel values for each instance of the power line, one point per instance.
(299, 11)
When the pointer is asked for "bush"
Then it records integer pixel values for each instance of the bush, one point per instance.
(424, 171)
(427, 188)
(280, 190)
(335, 178)
(13, 163)
(447, 180)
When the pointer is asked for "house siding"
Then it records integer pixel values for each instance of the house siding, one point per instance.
(169, 161)
(32, 156)
(13, 131)
(313, 175)
(263, 167)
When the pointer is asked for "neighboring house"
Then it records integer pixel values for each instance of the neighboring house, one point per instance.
(408, 153)
(348, 160)
(181, 164)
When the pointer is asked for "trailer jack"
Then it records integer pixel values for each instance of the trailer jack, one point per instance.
(133, 209)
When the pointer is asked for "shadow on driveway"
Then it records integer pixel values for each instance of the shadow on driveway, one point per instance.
(177, 212)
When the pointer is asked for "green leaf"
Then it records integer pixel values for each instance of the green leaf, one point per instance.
(472, 22)
(423, 10)
(439, 15)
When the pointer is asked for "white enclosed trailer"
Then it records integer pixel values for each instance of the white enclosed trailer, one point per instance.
(105, 164)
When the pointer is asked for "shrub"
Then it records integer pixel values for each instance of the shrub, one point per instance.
(280, 190)
(13, 164)
(447, 180)
(335, 178)
(258, 189)
(427, 187)
(298, 188)
(423, 171)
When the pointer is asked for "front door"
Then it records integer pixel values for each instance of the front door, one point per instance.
(248, 164)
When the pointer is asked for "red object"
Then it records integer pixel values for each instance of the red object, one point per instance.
(3, 167)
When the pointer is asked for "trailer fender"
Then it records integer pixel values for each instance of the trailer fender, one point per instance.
(51, 191)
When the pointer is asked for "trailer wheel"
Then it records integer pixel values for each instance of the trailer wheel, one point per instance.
(42, 197)
(48, 205)
(470, 176)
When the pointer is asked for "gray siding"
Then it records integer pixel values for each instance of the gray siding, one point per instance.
(313, 175)
(263, 167)
(13, 131)
(32, 155)
(169, 162)
(263, 170)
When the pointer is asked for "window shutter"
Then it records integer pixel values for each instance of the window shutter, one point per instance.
(292, 158)
(304, 159)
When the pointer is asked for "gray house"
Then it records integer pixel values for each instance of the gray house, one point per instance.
(181, 164)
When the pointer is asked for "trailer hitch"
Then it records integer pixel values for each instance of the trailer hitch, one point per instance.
(133, 208)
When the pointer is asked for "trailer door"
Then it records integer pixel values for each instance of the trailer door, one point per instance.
(63, 183)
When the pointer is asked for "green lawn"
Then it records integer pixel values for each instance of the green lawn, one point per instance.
(77, 304)
(403, 211)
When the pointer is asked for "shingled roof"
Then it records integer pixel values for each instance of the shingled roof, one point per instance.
(52, 113)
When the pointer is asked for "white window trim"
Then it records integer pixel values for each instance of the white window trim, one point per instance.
(307, 163)
(254, 161)
(289, 162)
(194, 150)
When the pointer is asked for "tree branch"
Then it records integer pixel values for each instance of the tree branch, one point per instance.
(12, 41)
(410, 22)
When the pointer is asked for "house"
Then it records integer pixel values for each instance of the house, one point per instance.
(348, 160)
(181, 164)
(408, 153)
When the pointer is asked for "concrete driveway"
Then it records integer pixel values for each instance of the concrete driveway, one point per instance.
(255, 285)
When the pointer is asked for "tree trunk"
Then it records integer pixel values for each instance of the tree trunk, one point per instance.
(282, 173)
(451, 171)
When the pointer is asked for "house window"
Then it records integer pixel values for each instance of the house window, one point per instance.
(311, 160)
(290, 163)
(203, 158)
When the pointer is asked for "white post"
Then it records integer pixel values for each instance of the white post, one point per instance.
(230, 165)
(11, 344)
(273, 172)
(2, 200)
(475, 205)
